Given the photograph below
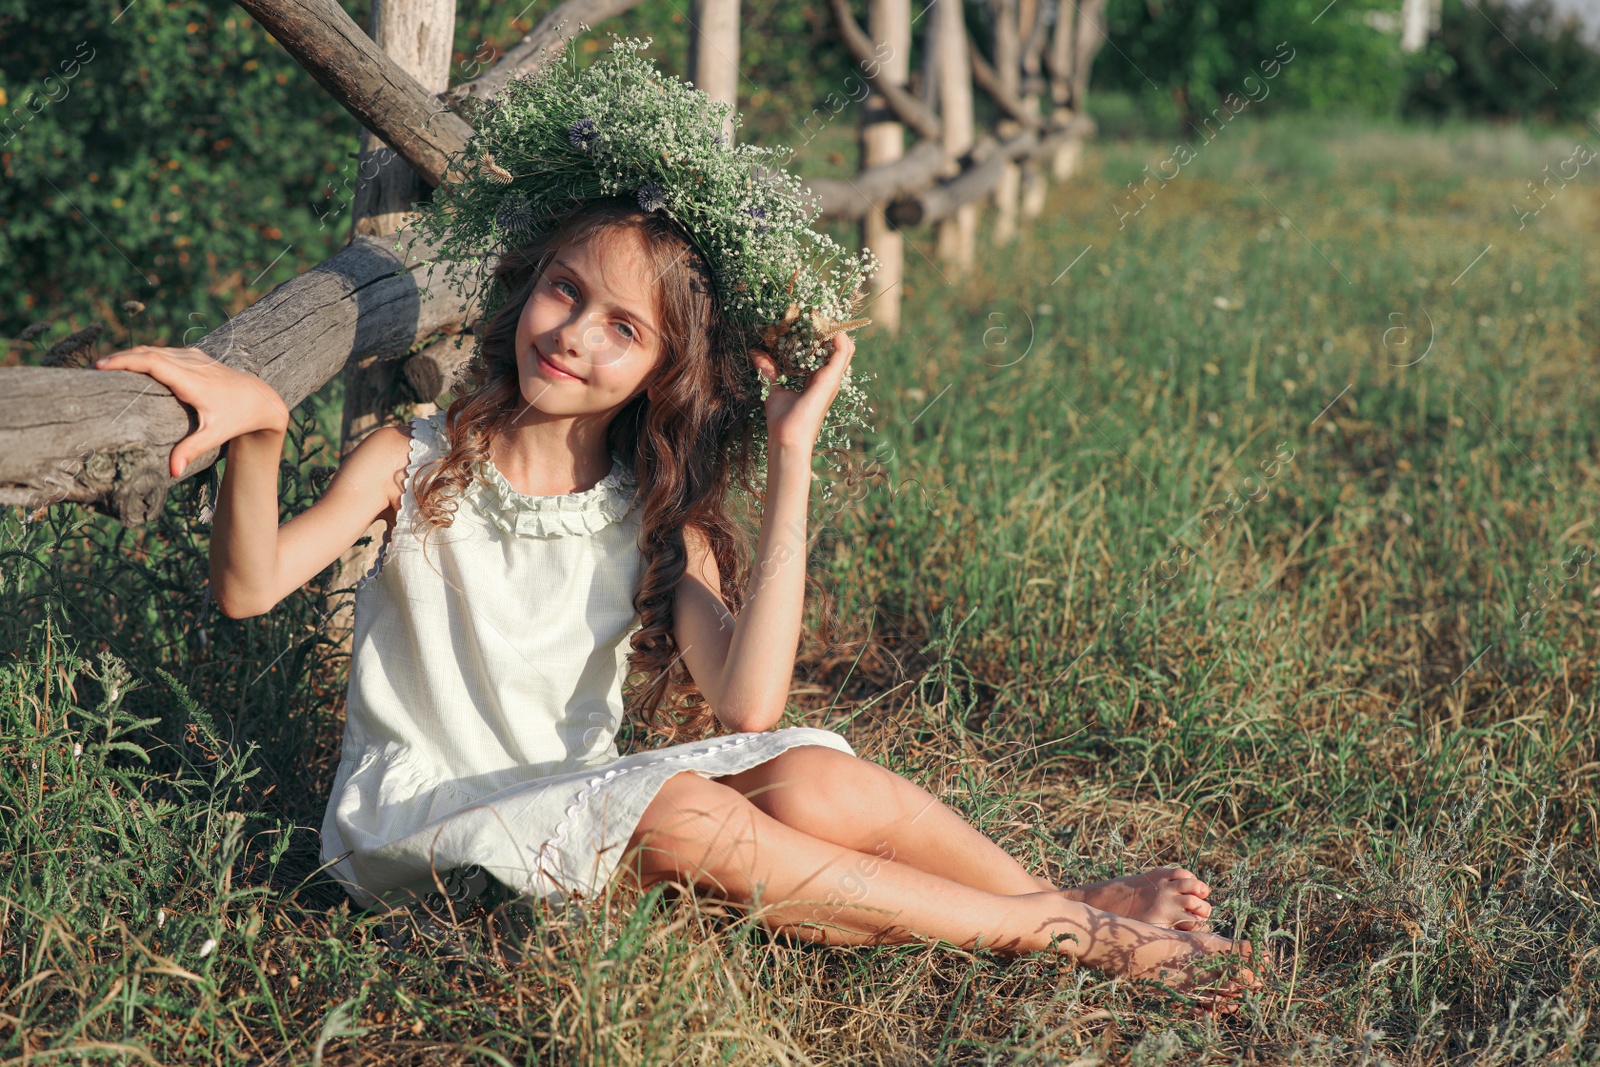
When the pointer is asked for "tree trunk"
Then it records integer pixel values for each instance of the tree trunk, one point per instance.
(714, 52)
(913, 109)
(958, 235)
(882, 142)
(1087, 39)
(419, 36)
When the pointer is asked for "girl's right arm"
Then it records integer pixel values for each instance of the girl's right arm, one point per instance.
(255, 563)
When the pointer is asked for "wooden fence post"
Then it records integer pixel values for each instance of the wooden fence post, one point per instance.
(1087, 38)
(958, 234)
(1031, 24)
(1417, 18)
(714, 52)
(419, 36)
(1059, 63)
(1008, 65)
(883, 141)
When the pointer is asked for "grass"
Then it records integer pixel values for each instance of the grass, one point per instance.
(1359, 698)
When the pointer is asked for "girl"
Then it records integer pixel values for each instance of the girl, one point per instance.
(567, 507)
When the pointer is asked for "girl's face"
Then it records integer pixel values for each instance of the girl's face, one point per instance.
(589, 333)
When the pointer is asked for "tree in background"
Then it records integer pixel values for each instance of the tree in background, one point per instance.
(1169, 63)
(1494, 60)
(171, 154)
(1178, 60)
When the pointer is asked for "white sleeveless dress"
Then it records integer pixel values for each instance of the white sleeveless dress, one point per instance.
(485, 696)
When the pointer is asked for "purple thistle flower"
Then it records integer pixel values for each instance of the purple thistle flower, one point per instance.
(652, 198)
(515, 216)
(581, 133)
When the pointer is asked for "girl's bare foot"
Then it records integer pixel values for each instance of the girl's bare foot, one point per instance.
(1199, 970)
(1170, 897)
(1190, 963)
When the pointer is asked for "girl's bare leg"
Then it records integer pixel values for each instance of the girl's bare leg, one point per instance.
(868, 808)
(703, 832)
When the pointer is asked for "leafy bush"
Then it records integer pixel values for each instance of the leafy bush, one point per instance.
(1184, 59)
(175, 155)
(1504, 61)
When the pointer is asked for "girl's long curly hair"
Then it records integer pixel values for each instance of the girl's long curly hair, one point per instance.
(687, 434)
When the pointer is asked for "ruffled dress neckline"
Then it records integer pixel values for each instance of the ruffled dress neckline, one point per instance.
(561, 515)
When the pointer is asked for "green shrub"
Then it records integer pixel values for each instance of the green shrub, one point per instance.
(1186, 59)
(1501, 61)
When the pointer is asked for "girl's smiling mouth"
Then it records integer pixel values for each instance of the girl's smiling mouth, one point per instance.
(553, 370)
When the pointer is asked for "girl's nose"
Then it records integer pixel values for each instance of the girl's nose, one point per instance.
(570, 338)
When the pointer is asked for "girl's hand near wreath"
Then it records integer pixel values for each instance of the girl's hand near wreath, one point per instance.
(230, 402)
(794, 418)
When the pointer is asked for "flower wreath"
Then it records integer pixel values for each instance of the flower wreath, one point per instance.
(553, 139)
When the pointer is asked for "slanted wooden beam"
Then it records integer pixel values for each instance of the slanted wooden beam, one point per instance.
(371, 86)
(528, 55)
(907, 108)
(988, 79)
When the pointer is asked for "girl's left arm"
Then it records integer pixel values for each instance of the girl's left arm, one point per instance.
(745, 667)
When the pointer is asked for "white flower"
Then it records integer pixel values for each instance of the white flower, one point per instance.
(208, 948)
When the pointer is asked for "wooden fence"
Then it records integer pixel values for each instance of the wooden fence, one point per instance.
(103, 440)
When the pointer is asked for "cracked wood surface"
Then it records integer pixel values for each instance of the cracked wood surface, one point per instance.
(103, 438)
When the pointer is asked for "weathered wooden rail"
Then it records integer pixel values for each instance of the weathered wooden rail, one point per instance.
(103, 439)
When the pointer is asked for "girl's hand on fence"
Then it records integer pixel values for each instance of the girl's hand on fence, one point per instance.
(230, 402)
(795, 418)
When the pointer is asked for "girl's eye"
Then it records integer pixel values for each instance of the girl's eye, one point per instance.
(560, 282)
(630, 334)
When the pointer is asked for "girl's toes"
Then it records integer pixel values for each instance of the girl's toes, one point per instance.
(1197, 907)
